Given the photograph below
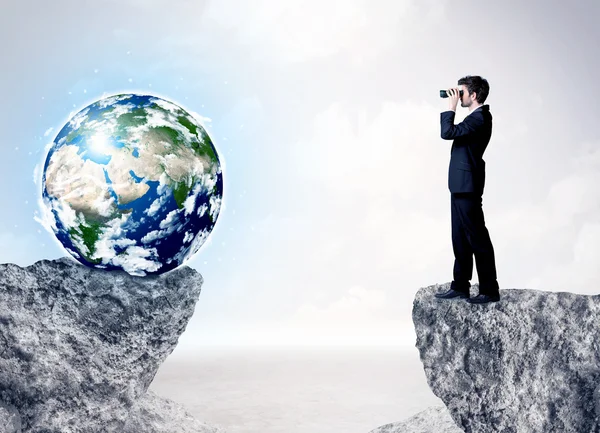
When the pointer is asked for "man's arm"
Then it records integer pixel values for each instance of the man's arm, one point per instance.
(469, 125)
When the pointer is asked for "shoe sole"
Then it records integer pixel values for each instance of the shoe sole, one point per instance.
(484, 302)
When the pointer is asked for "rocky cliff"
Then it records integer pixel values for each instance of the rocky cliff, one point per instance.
(79, 347)
(431, 420)
(528, 363)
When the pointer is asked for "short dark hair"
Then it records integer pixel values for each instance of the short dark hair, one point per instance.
(475, 83)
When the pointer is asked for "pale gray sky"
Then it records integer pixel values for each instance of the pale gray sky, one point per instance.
(326, 115)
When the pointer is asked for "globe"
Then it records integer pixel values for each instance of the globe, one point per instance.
(132, 182)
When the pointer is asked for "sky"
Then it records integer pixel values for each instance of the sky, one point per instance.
(325, 115)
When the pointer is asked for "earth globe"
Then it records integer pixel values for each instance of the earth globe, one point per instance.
(132, 182)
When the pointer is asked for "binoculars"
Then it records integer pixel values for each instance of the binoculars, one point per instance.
(444, 94)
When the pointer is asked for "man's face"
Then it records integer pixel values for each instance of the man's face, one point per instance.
(466, 100)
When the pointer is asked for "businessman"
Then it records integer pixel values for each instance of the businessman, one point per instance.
(466, 179)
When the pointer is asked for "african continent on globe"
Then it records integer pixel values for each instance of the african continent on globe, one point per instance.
(132, 182)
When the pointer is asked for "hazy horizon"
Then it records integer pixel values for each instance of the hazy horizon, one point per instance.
(297, 390)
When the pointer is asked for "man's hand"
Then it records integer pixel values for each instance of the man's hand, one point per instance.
(453, 98)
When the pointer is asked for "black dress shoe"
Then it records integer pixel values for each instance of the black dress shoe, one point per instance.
(452, 294)
(482, 299)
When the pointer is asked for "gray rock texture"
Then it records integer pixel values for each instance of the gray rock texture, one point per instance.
(528, 363)
(155, 414)
(79, 347)
(431, 420)
(150, 414)
(10, 420)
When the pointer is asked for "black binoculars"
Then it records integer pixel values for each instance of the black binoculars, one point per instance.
(444, 94)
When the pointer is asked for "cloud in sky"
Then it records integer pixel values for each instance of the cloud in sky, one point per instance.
(378, 206)
(300, 30)
(396, 155)
(355, 318)
(337, 175)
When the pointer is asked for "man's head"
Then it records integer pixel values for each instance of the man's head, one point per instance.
(475, 90)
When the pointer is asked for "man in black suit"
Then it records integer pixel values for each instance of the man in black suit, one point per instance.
(466, 179)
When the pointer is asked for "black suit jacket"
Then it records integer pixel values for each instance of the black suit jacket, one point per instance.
(466, 172)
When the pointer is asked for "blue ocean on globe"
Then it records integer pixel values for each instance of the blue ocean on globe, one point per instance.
(134, 183)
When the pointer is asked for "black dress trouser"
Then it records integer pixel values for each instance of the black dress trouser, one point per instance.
(471, 237)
